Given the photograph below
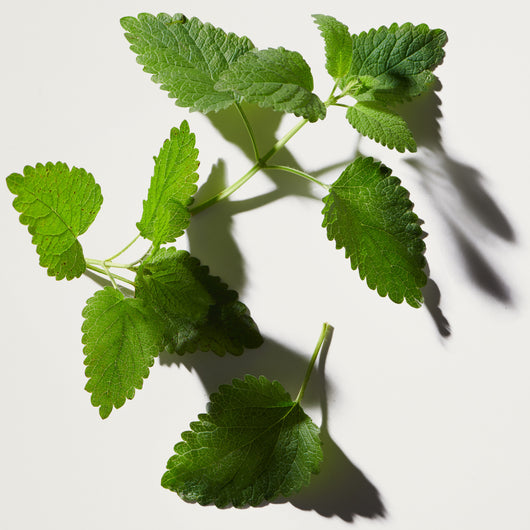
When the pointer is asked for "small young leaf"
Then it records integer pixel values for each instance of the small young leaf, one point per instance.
(395, 63)
(276, 78)
(253, 445)
(369, 214)
(197, 310)
(375, 120)
(338, 45)
(185, 56)
(165, 212)
(57, 204)
(122, 337)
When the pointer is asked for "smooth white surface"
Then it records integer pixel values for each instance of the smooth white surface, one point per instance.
(437, 425)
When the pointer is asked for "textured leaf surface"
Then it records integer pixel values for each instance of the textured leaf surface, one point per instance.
(165, 212)
(375, 120)
(185, 57)
(122, 337)
(338, 45)
(395, 63)
(369, 214)
(57, 204)
(253, 445)
(197, 309)
(276, 78)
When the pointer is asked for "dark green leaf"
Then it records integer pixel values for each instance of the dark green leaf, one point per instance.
(197, 309)
(394, 64)
(253, 445)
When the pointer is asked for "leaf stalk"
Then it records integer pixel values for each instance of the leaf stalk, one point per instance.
(325, 335)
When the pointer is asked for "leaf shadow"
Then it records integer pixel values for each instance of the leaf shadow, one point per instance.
(340, 489)
(210, 232)
(459, 193)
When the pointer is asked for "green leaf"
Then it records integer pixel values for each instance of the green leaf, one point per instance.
(275, 78)
(338, 45)
(57, 204)
(122, 337)
(395, 63)
(185, 57)
(198, 310)
(375, 120)
(165, 212)
(253, 445)
(370, 215)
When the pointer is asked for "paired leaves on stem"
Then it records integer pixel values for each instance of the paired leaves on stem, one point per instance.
(379, 69)
(206, 69)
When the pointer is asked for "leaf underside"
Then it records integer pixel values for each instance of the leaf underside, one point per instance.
(253, 445)
(375, 120)
(198, 311)
(57, 204)
(185, 56)
(165, 213)
(122, 337)
(275, 78)
(369, 214)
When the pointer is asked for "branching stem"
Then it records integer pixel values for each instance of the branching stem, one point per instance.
(249, 130)
(299, 173)
(105, 271)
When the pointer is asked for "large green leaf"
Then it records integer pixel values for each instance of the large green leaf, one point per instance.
(165, 212)
(122, 337)
(198, 310)
(185, 56)
(370, 215)
(395, 63)
(253, 444)
(275, 78)
(57, 204)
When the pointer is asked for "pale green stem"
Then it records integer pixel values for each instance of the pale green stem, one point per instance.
(249, 130)
(261, 162)
(227, 191)
(111, 275)
(250, 173)
(299, 173)
(124, 249)
(327, 329)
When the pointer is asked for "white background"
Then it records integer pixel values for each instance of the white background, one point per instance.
(425, 429)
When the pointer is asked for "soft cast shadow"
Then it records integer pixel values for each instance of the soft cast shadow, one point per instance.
(458, 191)
(272, 359)
(341, 488)
(210, 233)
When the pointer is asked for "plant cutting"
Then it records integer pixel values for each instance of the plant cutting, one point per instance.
(254, 442)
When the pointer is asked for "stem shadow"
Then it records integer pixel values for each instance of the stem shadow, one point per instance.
(340, 489)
